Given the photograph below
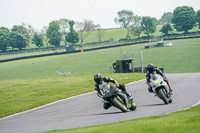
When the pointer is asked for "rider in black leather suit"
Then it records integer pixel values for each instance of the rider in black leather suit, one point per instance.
(100, 81)
(150, 69)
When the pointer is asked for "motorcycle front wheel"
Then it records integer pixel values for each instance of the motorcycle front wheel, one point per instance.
(162, 95)
(118, 102)
(133, 106)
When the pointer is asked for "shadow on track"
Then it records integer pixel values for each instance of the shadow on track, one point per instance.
(109, 113)
(152, 105)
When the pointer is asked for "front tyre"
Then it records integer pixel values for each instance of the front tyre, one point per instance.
(162, 95)
(119, 104)
(170, 101)
(133, 106)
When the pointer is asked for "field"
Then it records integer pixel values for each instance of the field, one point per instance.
(182, 57)
(30, 83)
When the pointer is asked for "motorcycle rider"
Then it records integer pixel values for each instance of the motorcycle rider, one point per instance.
(101, 82)
(151, 69)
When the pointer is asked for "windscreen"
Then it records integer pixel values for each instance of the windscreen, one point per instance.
(154, 77)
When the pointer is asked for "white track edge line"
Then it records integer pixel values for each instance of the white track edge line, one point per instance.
(193, 105)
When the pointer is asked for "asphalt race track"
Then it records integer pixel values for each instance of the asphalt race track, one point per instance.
(86, 110)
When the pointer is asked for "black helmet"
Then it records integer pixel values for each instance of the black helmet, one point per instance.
(150, 67)
(98, 78)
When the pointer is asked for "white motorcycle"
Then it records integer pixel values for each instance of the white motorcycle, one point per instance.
(160, 88)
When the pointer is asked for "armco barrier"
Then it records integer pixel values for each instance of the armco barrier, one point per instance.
(43, 55)
(35, 56)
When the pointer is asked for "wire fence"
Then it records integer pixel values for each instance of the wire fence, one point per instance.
(30, 52)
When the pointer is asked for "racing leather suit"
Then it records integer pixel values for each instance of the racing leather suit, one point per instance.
(105, 81)
(158, 71)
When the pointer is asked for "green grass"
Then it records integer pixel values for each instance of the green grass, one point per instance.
(22, 94)
(183, 57)
(29, 83)
(180, 58)
(186, 121)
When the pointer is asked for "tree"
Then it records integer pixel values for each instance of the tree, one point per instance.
(197, 17)
(124, 18)
(100, 33)
(20, 29)
(4, 38)
(53, 33)
(38, 40)
(136, 28)
(29, 29)
(64, 28)
(72, 36)
(136, 31)
(166, 18)
(156, 21)
(148, 25)
(84, 28)
(183, 18)
(166, 28)
(26, 30)
(44, 35)
(17, 40)
(29, 32)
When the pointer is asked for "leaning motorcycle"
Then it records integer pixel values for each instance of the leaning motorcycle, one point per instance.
(160, 88)
(118, 98)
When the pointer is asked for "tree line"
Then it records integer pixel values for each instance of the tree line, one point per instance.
(21, 36)
(183, 18)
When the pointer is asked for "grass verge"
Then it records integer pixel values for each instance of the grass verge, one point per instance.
(186, 121)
